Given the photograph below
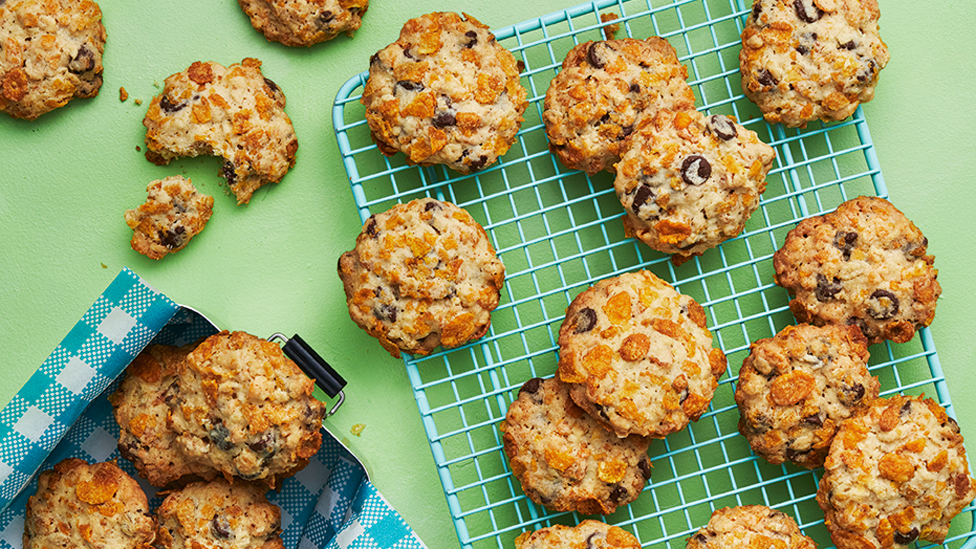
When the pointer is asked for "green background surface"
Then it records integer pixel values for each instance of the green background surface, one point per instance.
(67, 178)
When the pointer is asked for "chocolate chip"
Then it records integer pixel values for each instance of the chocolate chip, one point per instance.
(882, 305)
(374, 59)
(384, 311)
(472, 37)
(444, 119)
(220, 436)
(635, 88)
(584, 320)
(699, 537)
(476, 165)
(220, 527)
(827, 289)
(531, 386)
(619, 493)
(723, 126)
(695, 170)
(794, 455)
(266, 444)
(593, 55)
(851, 395)
(756, 9)
(953, 425)
(229, 173)
(847, 45)
(807, 11)
(590, 543)
(625, 131)
(844, 241)
(432, 205)
(173, 238)
(906, 538)
(905, 409)
(802, 50)
(868, 72)
(371, 226)
(643, 195)
(83, 61)
(605, 118)
(168, 107)
(766, 78)
(410, 85)
(645, 467)
(815, 419)
(326, 17)
(271, 85)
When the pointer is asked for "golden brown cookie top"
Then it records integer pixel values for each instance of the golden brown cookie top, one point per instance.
(305, 22)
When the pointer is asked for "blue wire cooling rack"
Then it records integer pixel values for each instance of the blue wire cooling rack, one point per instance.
(558, 231)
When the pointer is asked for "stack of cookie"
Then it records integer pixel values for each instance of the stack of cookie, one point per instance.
(216, 425)
(636, 362)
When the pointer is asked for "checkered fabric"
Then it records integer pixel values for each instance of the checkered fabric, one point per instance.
(63, 412)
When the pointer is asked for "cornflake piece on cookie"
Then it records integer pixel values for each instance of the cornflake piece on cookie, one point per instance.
(50, 53)
(567, 460)
(750, 526)
(795, 389)
(173, 214)
(807, 59)
(638, 355)
(232, 112)
(864, 264)
(445, 93)
(896, 474)
(422, 274)
(219, 515)
(77, 504)
(245, 409)
(689, 181)
(591, 534)
(603, 91)
(304, 22)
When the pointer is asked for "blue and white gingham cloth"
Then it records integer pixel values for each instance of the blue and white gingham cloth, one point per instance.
(63, 411)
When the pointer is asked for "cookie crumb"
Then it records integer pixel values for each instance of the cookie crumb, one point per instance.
(138, 101)
(138, 148)
(104, 266)
(610, 31)
(357, 429)
(123, 95)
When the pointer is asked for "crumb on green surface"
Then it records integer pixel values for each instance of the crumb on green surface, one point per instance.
(137, 101)
(104, 266)
(357, 429)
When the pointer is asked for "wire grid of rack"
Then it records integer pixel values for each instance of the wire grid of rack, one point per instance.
(558, 231)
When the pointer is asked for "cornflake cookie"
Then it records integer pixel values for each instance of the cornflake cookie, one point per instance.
(219, 515)
(863, 264)
(82, 505)
(445, 93)
(689, 181)
(896, 473)
(589, 534)
(807, 59)
(565, 459)
(141, 408)
(750, 526)
(638, 356)
(422, 274)
(245, 409)
(51, 53)
(795, 389)
(234, 113)
(603, 89)
(173, 214)
(304, 22)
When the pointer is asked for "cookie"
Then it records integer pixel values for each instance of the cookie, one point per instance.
(422, 274)
(638, 356)
(750, 526)
(444, 93)
(304, 22)
(896, 474)
(173, 214)
(232, 112)
(88, 505)
(863, 264)
(565, 459)
(52, 53)
(245, 409)
(807, 59)
(219, 515)
(689, 181)
(795, 389)
(141, 408)
(591, 534)
(603, 89)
